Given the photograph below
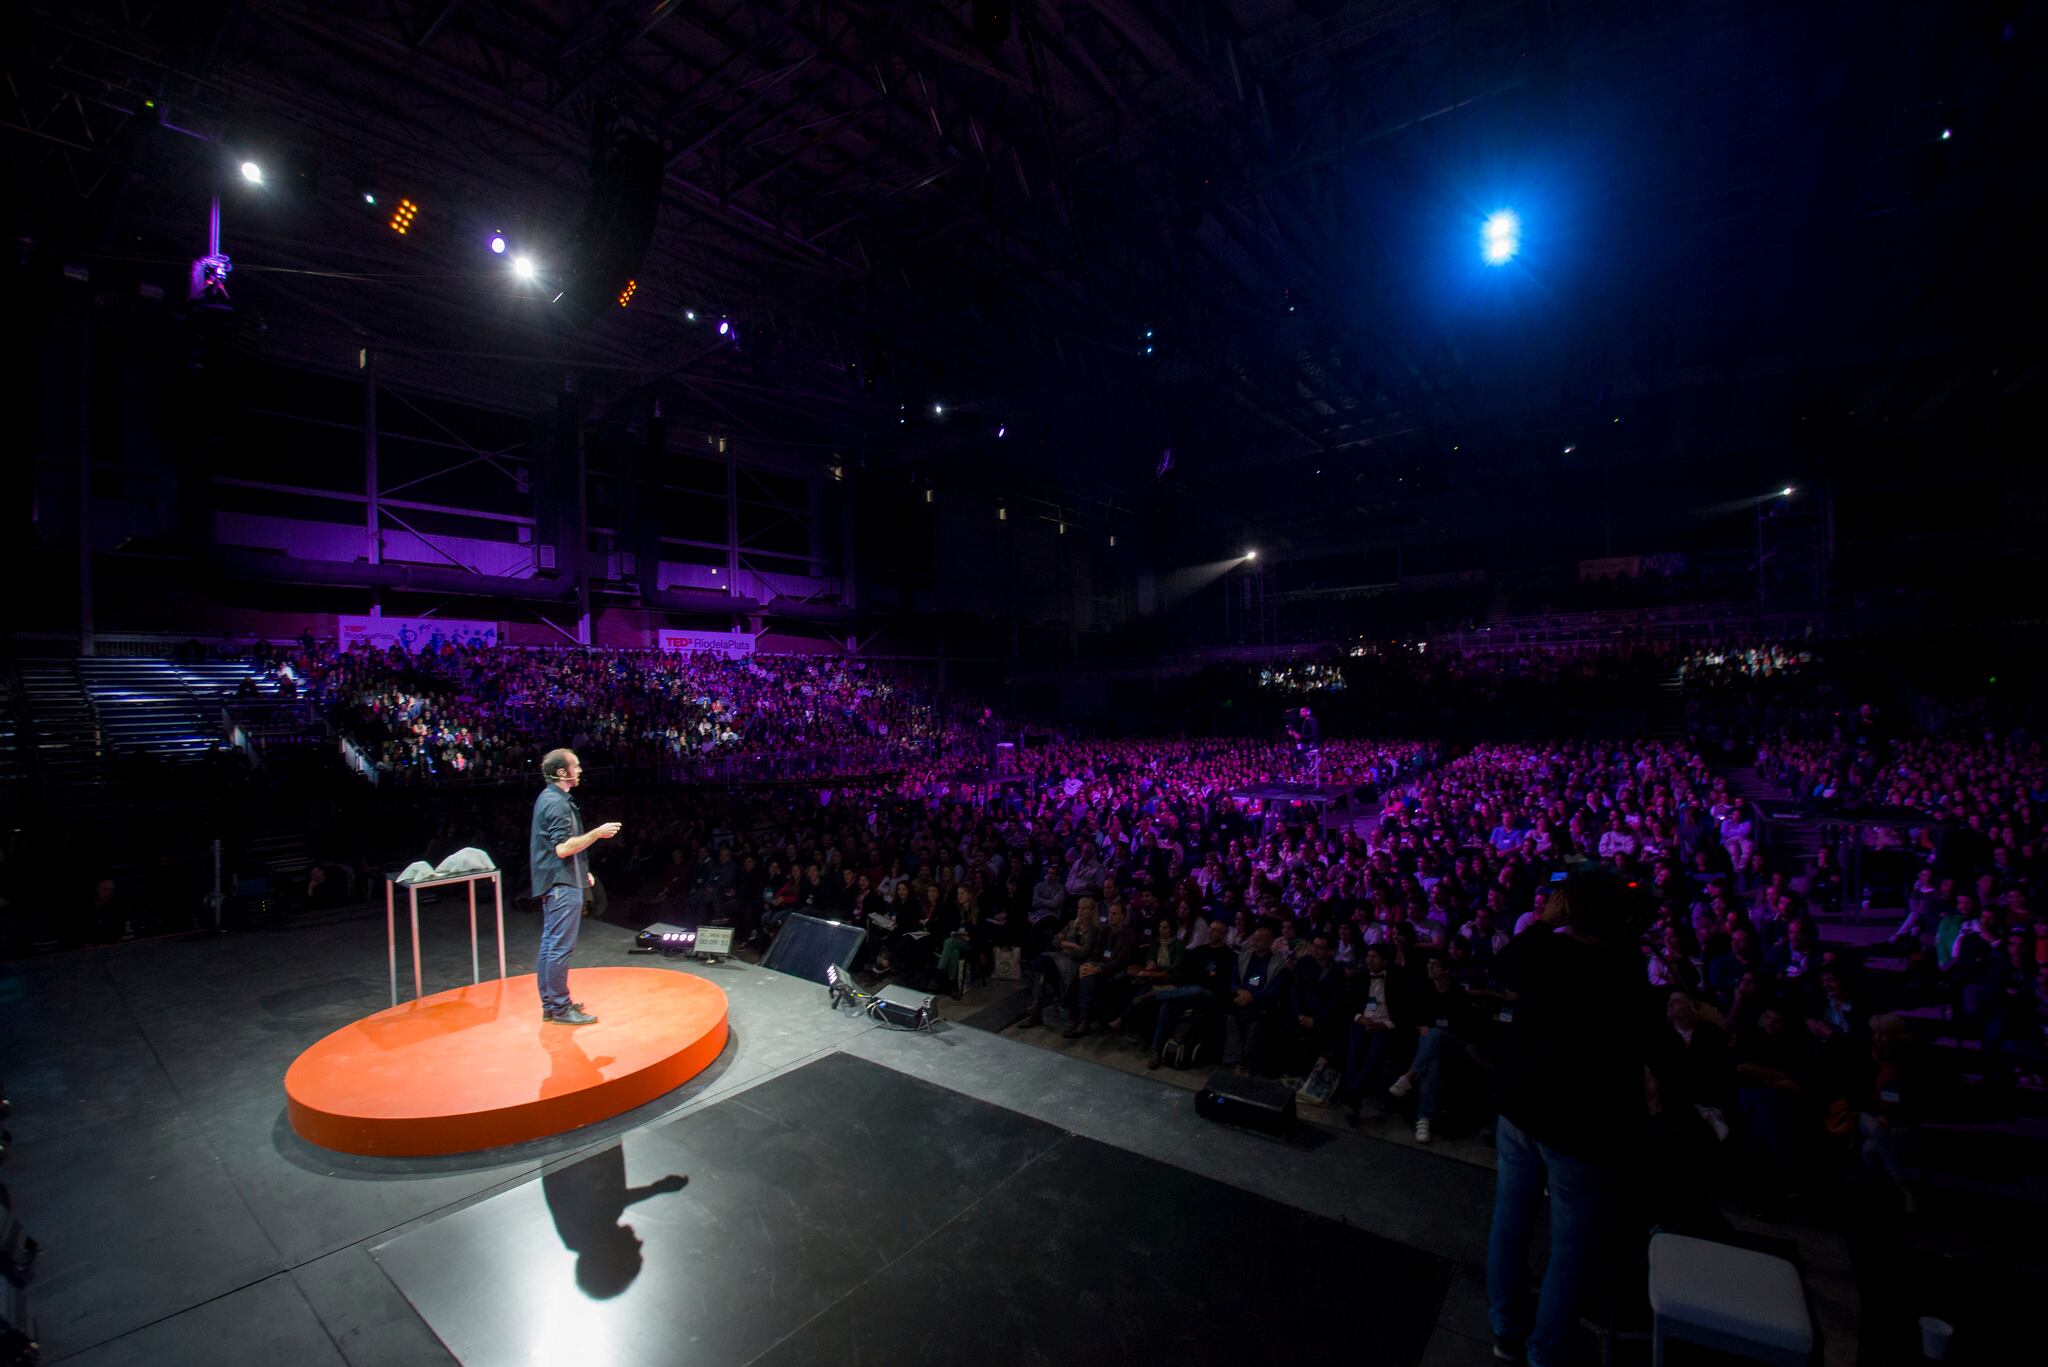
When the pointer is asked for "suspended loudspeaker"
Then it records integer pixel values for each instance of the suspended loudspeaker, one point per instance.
(626, 171)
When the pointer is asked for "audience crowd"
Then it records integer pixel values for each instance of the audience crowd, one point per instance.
(482, 713)
(1175, 891)
(1166, 891)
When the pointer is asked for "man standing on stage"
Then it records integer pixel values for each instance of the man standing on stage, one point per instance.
(560, 877)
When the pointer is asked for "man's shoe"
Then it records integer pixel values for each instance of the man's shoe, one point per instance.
(1403, 1085)
(1507, 1350)
(573, 1017)
(1422, 1130)
(546, 1014)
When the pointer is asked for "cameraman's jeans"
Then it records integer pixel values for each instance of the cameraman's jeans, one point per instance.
(1579, 1194)
(561, 918)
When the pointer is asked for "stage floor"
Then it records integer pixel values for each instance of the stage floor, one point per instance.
(184, 1221)
(844, 1212)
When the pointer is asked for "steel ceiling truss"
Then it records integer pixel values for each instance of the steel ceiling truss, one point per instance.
(863, 183)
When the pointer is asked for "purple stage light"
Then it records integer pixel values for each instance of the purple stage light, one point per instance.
(498, 244)
(724, 326)
(1000, 431)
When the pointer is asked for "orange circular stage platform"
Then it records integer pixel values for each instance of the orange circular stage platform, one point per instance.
(477, 1067)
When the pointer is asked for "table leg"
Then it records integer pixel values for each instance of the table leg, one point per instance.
(419, 987)
(498, 894)
(476, 974)
(391, 938)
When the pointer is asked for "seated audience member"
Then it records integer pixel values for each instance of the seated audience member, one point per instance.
(1926, 900)
(912, 950)
(1260, 996)
(1874, 1114)
(1675, 963)
(1379, 998)
(1959, 912)
(1048, 901)
(2014, 1016)
(1446, 1020)
(1320, 989)
(1103, 977)
(1726, 972)
(1774, 1071)
(1205, 979)
(1691, 1066)
(1055, 972)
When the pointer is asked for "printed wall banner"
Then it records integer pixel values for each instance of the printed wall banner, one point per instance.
(412, 634)
(1610, 567)
(731, 644)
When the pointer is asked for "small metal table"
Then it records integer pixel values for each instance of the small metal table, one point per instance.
(391, 885)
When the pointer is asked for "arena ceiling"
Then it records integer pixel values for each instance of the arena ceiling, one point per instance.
(1247, 233)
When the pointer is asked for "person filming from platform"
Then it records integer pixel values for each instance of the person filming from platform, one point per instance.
(561, 877)
(1573, 1105)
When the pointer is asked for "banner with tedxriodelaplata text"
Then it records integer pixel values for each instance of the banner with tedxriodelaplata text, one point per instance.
(730, 644)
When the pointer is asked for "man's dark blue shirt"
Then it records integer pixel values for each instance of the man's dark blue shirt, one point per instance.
(556, 821)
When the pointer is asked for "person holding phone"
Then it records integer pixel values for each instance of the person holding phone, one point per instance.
(561, 876)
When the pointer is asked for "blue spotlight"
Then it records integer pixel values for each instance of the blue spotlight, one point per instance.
(1501, 237)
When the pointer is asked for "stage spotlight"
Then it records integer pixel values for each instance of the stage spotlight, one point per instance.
(938, 410)
(1251, 555)
(1501, 237)
(403, 215)
(497, 244)
(626, 294)
(1786, 492)
(522, 266)
(252, 173)
(369, 198)
(1002, 513)
(724, 327)
(1000, 431)
(689, 315)
(1947, 133)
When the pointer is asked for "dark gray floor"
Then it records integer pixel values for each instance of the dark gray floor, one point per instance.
(183, 1221)
(843, 1211)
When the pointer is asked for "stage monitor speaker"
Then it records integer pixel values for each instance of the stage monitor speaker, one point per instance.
(1254, 1103)
(807, 945)
(665, 938)
(904, 1006)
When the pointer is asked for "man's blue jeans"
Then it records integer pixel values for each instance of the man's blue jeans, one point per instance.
(561, 917)
(1366, 1057)
(1428, 1068)
(1173, 1003)
(1579, 1192)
